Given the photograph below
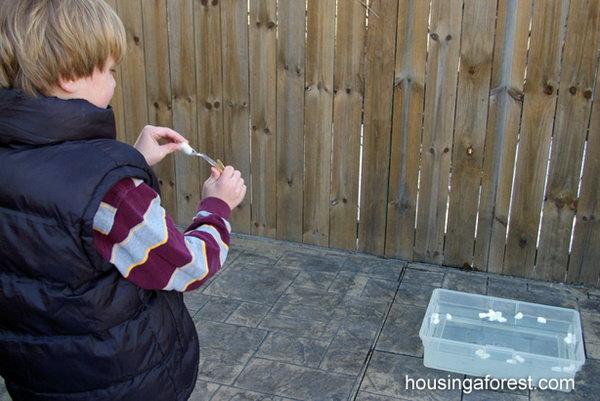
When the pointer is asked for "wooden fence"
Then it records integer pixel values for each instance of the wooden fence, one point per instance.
(455, 132)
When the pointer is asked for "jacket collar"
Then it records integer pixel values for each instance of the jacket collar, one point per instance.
(45, 120)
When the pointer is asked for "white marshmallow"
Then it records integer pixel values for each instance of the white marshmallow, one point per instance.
(569, 339)
(186, 148)
(482, 354)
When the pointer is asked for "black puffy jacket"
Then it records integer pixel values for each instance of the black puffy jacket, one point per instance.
(71, 327)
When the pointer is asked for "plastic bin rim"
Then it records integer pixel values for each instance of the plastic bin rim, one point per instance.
(437, 290)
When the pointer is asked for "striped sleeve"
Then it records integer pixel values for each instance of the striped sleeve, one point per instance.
(133, 232)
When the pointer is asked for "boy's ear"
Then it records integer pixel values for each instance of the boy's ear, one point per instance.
(67, 85)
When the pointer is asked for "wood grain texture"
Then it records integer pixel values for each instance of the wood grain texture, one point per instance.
(504, 120)
(291, 51)
(158, 88)
(547, 34)
(209, 82)
(133, 71)
(348, 89)
(236, 101)
(184, 99)
(440, 97)
(379, 91)
(583, 262)
(477, 43)
(407, 127)
(263, 110)
(116, 102)
(570, 131)
(318, 112)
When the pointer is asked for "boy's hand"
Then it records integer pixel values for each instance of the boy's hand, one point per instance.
(147, 143)
(228, 186)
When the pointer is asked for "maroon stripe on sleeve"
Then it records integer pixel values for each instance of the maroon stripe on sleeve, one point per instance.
(115, 195)
(103, 245)
(216, 206)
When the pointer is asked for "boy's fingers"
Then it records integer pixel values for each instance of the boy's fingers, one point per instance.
(214, 173)
(227, 172)
(170, 148)
(169, 134)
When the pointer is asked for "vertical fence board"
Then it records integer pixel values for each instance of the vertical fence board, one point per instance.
(117, 105)
(318, 111)
(409, 92)
(117, 101)
(236, 100)
(158, 86)
(536, 128)
(570, 128)
(583, 263)
(440, 96)
(348, 97)
(504, 118)
(133, 71)
(183, 81)
(209, 91)
(379, 91)
(263, 109)
(290, 119)
(469, 134)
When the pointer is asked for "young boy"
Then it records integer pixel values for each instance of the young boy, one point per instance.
(91, 268)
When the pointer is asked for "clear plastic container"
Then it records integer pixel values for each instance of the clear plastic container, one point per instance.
(481, 335)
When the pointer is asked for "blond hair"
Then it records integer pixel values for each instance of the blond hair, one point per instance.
(42, 41)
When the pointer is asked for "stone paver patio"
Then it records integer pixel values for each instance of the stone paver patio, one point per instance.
(283, 321)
